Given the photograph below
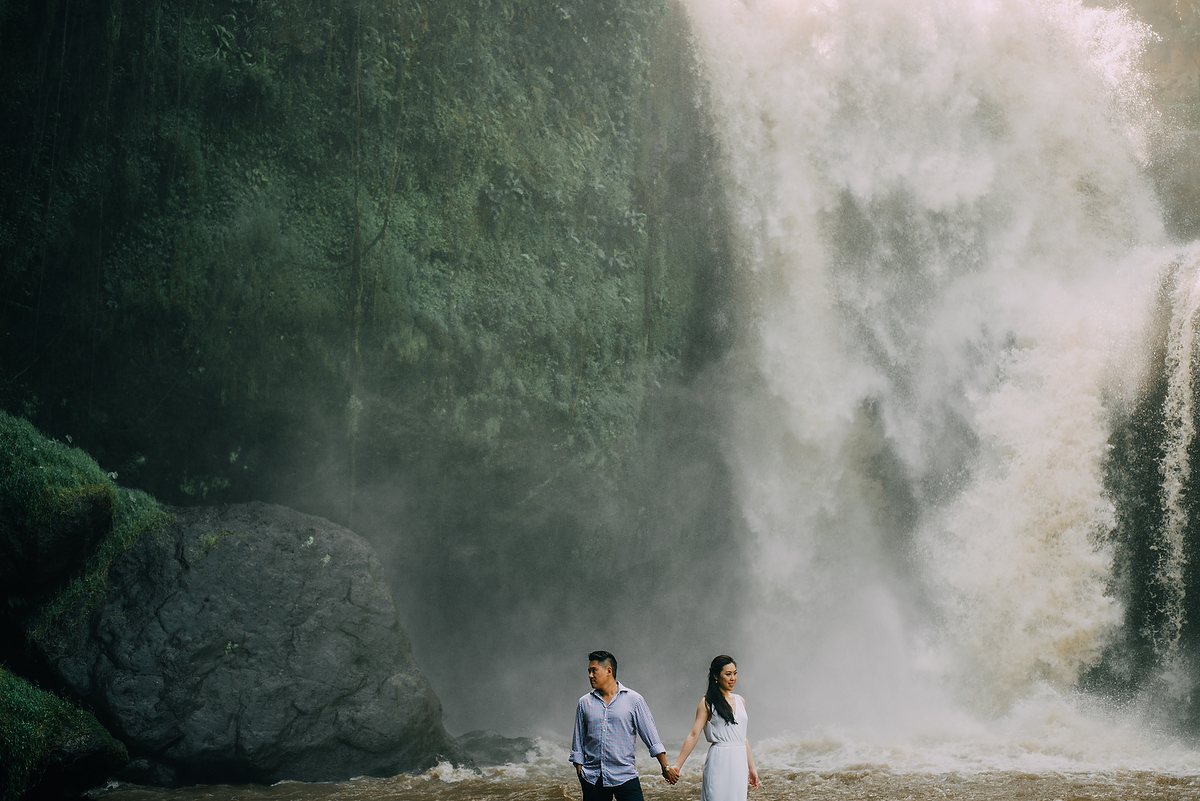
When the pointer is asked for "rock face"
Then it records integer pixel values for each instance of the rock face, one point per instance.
(253, 643)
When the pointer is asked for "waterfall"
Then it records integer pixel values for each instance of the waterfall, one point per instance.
(1176, 468)
(949, 257)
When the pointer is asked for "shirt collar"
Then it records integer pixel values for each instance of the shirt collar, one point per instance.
(621, 688)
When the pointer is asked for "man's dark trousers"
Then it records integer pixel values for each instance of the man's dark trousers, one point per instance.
(629, 791)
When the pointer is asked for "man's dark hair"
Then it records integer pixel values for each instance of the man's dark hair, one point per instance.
(604, 657)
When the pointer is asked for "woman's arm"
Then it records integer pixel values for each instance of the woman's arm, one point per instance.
(690, 741)
(754, 782)
(750, 763)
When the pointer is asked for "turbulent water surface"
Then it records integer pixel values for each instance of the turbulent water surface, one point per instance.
(864, 783)
(785, 778)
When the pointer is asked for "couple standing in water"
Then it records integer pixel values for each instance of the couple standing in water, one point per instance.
(611, 717)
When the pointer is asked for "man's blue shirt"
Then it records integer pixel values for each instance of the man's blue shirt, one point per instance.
(606, 736)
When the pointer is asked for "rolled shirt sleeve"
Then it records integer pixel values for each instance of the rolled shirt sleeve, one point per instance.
(645, 727)
(577, 737)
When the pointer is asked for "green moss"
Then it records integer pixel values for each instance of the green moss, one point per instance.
(461, 243)
(42, 479)
(137, 515)
(32, 723)
(207, 542)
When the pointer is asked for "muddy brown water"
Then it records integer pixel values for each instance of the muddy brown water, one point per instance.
(854, 784)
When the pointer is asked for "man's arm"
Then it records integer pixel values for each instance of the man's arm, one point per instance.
(577, 739)
(644, 722)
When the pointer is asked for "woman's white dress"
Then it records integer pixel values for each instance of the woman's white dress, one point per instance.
(726, 771)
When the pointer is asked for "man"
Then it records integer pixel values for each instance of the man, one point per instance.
(607, 722)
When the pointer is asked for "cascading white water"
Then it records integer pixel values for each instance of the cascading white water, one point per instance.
(1180, 429)
(950, 256)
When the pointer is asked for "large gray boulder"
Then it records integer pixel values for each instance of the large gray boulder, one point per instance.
(251, 643)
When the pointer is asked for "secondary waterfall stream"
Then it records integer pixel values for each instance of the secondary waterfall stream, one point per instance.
(1180, 429)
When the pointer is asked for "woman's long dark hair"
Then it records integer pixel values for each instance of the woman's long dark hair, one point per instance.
(714, 696)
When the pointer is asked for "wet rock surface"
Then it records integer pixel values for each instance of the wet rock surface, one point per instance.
(252, 643)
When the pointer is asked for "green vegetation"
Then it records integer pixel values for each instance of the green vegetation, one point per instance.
(206, 542)
(32, 723)
(443, 224)
(137, 515)
(41, 482)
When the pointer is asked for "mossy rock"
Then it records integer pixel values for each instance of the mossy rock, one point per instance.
(249, 643)
(48, 747)
(56, 505)
(63, 521)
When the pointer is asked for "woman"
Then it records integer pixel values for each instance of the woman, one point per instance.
(721, 715)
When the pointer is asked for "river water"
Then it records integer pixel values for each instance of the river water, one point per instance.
(791, 770)
(862, 783)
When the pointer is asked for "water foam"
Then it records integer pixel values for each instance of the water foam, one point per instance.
(1045, 732)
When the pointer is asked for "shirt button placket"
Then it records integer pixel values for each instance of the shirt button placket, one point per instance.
(602, 749)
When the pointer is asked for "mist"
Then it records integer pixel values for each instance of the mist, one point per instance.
(505, 596)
